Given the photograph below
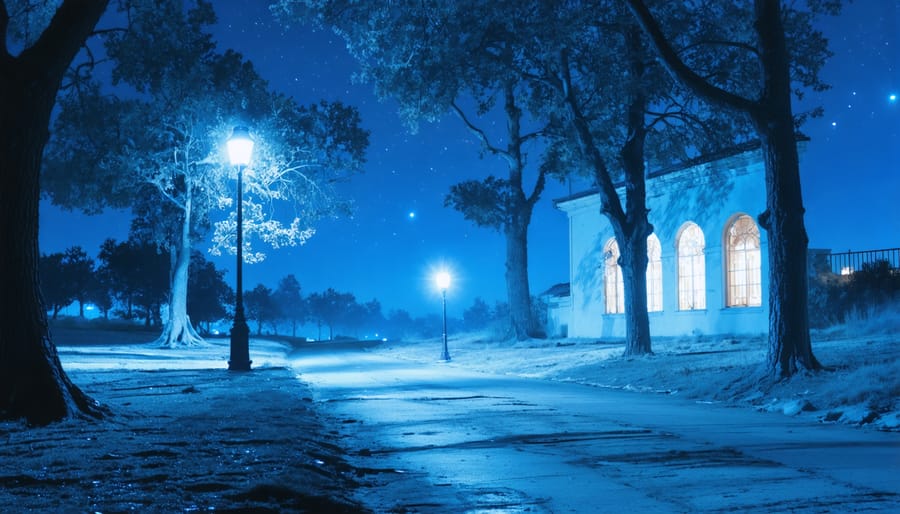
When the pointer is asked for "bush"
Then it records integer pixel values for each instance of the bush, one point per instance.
(832, 298)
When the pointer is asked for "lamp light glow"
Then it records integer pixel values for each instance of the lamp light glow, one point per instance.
(442, 278)
(240, 146)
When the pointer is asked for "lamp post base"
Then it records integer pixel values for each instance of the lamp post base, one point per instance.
(240, 347)
(445, 353)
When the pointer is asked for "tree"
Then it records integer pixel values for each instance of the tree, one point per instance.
(436, 58)
(329, 308)
(170, 135)
(53, 283)
(79, 270)
(33, 384)
(400, 324)
(613, 112)
(291, 304)
(101, 296)
(261, 307)
(372, 315)
(207, 291)
(783, 54)
(478, 316)
(137, 274)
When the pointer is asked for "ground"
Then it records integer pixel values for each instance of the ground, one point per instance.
(861, 384)
(187, 435)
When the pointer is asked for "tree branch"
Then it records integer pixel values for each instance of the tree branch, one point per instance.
(609, 198)
(482, 136)
(533, 135)
(679, 70)
(63, 38)
(538, 188)
(722, 42)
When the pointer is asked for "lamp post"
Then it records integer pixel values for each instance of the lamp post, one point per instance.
(443, 282)
(240, 146)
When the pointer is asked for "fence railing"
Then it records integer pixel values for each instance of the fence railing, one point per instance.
(847, 263)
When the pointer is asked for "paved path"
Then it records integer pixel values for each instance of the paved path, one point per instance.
(437, 438)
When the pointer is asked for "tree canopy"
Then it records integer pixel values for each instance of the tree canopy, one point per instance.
(154, 141)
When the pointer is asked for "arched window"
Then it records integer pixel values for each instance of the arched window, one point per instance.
(654, 274)
(613, 286)
(691, 268)
(743, 261)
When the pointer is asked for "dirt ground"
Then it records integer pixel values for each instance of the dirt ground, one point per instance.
(180, 441)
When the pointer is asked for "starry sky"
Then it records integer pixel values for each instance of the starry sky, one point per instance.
(401, 234)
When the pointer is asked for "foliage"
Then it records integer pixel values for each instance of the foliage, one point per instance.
(153, 141)
(719, 41)
(461, 58)
(292, 306)
(399, 324)
(261, 307)
(53, 283)
(331, 308)
(28, 18)
(834, 299)
(137, 275)
(170, 138)
(67, 277)
(484, 202)
(478, 316)
(208, 293)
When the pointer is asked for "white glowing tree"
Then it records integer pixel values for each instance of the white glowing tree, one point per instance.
(161, 150)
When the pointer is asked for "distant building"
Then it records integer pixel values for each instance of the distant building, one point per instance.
(708, 269)
(558, 300)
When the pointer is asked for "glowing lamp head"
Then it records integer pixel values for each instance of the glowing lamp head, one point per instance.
(443, 280)
(240, 146)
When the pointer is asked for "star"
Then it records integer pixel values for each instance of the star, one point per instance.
(412, 215)
(892, 98)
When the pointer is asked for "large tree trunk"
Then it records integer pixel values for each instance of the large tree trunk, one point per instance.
(516, 227)
(790, 348)
(633, 260)
(518, 292)
(33, 384)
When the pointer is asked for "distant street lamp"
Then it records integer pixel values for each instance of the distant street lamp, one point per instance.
(240, 146)
(443, 282)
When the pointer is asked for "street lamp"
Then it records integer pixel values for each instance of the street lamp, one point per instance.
(240, 146)
(443, 282)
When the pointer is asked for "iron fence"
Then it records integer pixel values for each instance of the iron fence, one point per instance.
(848, 262)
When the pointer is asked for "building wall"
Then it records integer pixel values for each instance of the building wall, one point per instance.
(710, 195)
(559, 314)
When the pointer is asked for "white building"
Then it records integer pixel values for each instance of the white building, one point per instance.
(708, 271)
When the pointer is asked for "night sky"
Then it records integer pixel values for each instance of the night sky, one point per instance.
(401, 232)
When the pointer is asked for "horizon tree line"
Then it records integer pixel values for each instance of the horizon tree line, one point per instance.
(128, 281)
